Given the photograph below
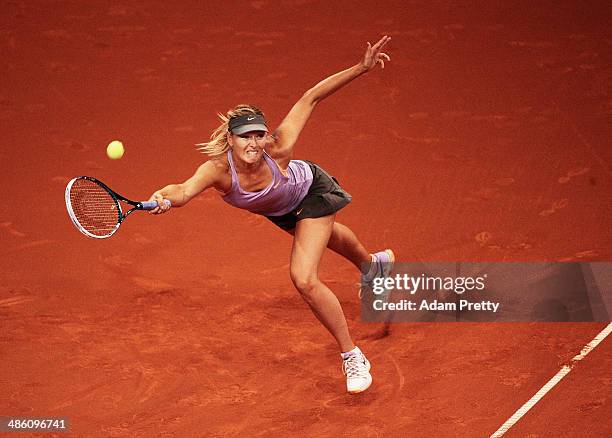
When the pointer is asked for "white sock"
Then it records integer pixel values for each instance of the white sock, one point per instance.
(350, 353)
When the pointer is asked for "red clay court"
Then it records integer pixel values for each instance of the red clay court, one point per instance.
(486, 138)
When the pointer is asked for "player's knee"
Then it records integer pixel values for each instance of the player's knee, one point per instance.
(304, 282)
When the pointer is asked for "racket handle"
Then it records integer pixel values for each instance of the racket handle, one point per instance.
(150, 205)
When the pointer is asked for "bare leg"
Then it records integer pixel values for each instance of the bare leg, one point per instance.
(310, 240)
(344, 242)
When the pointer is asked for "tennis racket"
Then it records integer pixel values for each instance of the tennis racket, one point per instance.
(95, 209)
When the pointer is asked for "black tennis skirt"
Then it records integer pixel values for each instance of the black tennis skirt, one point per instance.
(324, 197)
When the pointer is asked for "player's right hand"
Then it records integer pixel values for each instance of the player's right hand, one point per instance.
(162, 204)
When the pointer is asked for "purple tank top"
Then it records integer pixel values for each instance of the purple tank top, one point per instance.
(280, 197)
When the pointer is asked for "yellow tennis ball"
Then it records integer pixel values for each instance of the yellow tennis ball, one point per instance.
(115, 150)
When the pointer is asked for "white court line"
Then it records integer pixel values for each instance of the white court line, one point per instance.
(552, 382)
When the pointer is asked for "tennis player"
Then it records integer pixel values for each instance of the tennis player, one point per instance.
(253, 170)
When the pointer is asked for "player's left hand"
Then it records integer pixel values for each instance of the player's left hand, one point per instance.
(374, 55)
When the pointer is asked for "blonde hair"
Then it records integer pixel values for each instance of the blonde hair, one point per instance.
(218, 143)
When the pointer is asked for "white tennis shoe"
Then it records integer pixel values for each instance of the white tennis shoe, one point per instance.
(356, 368)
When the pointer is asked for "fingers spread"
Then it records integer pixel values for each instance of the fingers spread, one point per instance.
(381, 43)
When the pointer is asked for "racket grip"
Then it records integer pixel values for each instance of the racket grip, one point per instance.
(150, 205)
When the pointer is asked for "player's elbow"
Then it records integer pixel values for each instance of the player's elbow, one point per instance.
(310, 97)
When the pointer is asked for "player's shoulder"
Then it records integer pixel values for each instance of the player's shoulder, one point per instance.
(217, 170)
(216, 165)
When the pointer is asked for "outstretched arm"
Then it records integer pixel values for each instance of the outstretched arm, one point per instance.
(285, 136)
(180, 194)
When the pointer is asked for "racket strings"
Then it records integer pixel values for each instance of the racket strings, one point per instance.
(94, 208)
